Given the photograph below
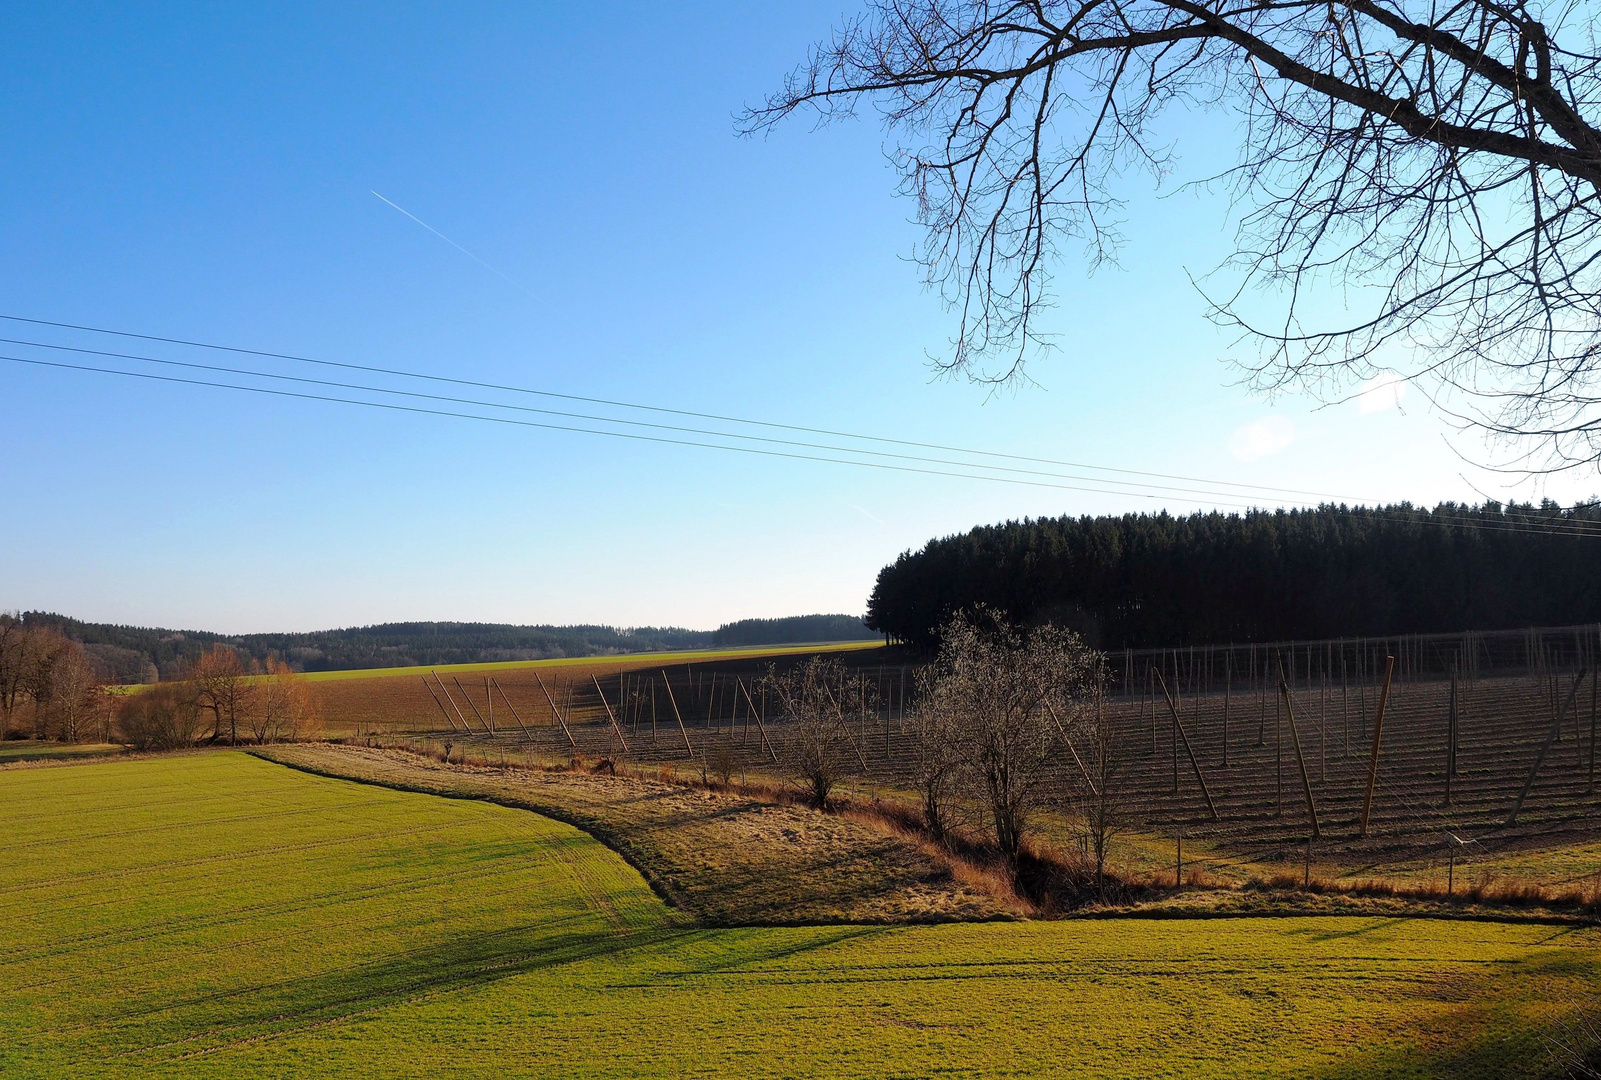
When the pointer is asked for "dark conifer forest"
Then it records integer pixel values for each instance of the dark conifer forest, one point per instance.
(1141, 581)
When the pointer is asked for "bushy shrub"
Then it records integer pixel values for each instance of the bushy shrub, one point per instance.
(161, 718)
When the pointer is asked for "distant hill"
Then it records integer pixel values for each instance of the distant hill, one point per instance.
(144, 654)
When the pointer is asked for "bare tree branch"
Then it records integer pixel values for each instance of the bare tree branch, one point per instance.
(1432, 165)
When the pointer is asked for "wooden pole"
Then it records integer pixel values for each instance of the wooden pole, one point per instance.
(1378, 733)
(555, 712)
(1345, 707)
(465, 726)
(1323, 727)
(609, 714)
(1228, 690)
(468, 697)
(1591, 781)
(1261, 712)
(490, 698)
(761, 728)
(1211, 809)
(1278, 754)
(1450, 738)
(682, 730)
(1300, 761)
(514, 714)
(1173, 736)
(1550, 737)
(441, 704)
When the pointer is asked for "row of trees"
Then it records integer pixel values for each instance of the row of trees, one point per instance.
(221, 698)
(1154, 581)
(137, 654)
(49, 686)
(52, 687)
(1007, 724)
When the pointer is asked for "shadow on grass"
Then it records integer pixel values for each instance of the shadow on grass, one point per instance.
(1514, 1022)
(248, 1014)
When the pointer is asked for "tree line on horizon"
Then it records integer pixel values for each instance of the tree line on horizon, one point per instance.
(1149, 581)
(53, 687)
(135, 654)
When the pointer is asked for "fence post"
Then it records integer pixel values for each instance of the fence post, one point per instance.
(1300, 761)
(1378, 733)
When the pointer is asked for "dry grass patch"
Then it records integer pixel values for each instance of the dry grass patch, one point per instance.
(726, 857)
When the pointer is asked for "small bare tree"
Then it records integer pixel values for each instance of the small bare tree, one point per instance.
(72, 699)
(286, 706)
(1015, 698)
(938, 756)
(821, 746)
(1098, 793)
(221, 687)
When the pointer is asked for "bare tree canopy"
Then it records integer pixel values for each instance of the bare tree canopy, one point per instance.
(1432, 166)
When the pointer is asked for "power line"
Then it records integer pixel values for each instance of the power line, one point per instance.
(567, 427)
(1525, 523)
(664, 409)
(248, 372)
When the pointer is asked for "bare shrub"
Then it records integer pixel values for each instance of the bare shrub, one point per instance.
(822, 749)
(938, 755)
(1014, 698)
(165, 717)
(719, 764)
(69, 701)
(1098, 791)
(286, 707)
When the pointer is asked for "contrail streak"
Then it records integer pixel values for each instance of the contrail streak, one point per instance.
(455, 245)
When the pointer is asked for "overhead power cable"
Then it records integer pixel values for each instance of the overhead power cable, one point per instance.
(512, 421)
(1518, 523)
(401, 373)
(924, 459)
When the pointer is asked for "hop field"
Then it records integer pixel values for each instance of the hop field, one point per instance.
(215, 915)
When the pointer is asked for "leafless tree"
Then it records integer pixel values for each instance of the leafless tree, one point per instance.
(1433, 165)
(222, 687)
(286, 707)
(822, 749)
(1099, 790)
(938, 754)
(16, 652)
(46, 652)
(1016, 697)
(72, 700)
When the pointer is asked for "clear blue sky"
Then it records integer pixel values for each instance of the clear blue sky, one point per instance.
(207, 172)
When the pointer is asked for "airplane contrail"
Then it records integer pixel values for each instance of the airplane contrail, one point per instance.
(455, 245)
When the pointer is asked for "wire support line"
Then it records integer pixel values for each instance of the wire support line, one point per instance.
(251, 373)
(1244, 492)
(510, 421)
(1558, 528)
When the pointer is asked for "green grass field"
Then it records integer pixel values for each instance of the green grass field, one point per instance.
(33, 750)
(630, 660)
(217, 915)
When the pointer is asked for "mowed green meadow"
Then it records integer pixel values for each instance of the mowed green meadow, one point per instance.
(215, 915)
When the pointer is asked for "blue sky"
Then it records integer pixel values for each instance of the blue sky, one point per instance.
(208, 173)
